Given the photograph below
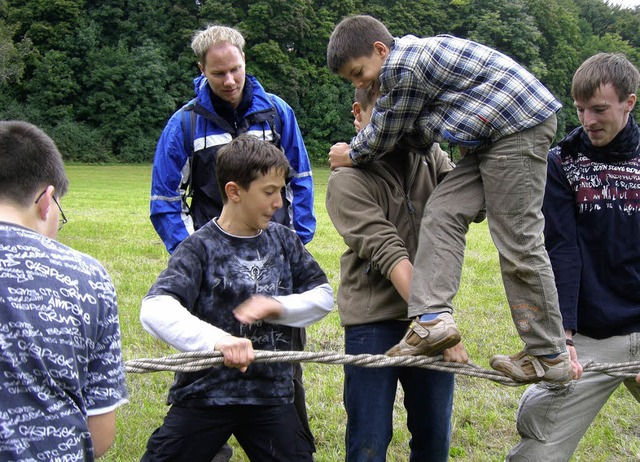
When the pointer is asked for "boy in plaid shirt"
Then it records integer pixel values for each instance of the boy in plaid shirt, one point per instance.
(447, 89)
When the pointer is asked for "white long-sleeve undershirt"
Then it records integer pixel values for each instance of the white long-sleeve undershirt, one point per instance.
(166, 319)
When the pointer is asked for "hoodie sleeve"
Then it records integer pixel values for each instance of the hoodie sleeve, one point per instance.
(356, 213)
(304, 218)
(169, 175)
(561, 239)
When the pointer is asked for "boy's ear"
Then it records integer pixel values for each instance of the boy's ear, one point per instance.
(232, 189)
(356, 110)
(44, 203)
(380, 49)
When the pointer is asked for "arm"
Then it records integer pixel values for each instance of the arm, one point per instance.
(168, 213)
(573, 353)
(394, 113)
(166, 319)
(304, 219)
(561, 239)
(104, 389)
(103, 431)
(358, 217)
(295, 310)
(400, 277)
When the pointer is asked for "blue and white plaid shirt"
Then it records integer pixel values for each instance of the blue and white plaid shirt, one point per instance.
(448, 89)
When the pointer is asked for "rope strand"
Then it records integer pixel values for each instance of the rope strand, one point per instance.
(199, 360)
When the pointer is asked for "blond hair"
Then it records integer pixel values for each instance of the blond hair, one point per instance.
(205, 39)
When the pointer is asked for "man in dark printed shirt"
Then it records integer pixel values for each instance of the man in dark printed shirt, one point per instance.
(61, 371)
(238, 284)
(592, 233)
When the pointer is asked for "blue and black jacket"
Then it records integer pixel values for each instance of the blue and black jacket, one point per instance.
(184, 189)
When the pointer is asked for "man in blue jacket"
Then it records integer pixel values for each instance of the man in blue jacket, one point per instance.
(229, 102)
(592, 234)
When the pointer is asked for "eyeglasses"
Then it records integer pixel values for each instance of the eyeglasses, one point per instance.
(63, 219)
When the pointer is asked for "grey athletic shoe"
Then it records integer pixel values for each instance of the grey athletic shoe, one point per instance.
(525, 368)
(427, 338)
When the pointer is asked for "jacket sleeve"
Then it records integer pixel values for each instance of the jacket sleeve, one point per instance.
(561, 240)
(304, 218)
(168, 212)
(356, 214)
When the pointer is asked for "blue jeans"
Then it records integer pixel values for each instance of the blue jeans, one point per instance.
(369, 395)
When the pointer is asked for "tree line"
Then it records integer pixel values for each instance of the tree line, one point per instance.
(103, 76)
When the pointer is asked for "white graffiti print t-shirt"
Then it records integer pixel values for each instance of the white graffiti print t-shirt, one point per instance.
(60, 351)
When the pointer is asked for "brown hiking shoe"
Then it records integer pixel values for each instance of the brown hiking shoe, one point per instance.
(525, 368)
(427, 338)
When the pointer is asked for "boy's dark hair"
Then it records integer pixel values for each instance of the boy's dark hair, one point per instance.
(246, 157)
(29, 160)
(601, 69)
(353, 38)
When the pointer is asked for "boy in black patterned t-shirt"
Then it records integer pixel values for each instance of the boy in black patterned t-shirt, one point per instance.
(238, 284)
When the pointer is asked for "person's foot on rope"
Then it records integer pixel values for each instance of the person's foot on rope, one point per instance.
(427, 338)
(526, 368)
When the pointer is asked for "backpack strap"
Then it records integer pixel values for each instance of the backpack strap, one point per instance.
(188, 130)
(277, 137)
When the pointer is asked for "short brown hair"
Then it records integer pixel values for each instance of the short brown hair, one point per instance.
(601, 69)
(29, 160)
(365, 97)
(354, 37)
(244, 158)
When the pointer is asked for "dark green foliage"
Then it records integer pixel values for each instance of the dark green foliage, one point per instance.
(79, 143)
(103, 76)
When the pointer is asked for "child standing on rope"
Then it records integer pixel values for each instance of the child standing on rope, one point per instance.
(238, 284)
(457, 91)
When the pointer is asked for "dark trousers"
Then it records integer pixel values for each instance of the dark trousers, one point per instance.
(266, 434)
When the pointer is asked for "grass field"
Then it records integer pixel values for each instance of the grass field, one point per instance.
(108, 206)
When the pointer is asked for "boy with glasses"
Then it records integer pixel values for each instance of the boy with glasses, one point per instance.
(62, 372)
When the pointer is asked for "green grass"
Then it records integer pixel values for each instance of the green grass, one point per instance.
(108, 210)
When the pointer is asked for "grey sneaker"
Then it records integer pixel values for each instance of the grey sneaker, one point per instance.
(525, 368)
(427, 338)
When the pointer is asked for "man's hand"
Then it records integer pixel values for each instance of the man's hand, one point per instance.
(256, 308)
(339, 156)
(456, 354)
(237, 351)
(575, 365)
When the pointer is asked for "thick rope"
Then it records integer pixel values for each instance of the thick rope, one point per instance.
(199, 360)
